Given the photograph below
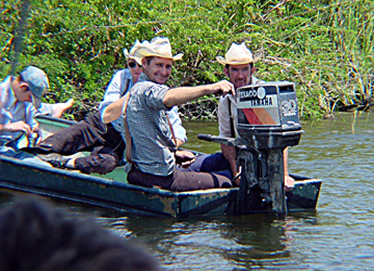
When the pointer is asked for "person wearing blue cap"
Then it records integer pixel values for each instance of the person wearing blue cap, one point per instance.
(19, 99)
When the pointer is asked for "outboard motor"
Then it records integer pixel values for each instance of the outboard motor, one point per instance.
(267, 123)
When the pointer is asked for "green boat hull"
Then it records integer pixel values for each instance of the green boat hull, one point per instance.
(113, 191)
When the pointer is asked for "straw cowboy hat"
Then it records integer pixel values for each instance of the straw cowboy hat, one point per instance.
(159, 47)
(236, 55)
(131, 54)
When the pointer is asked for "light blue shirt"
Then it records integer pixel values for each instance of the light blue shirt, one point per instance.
(120, 83)
(13, 110)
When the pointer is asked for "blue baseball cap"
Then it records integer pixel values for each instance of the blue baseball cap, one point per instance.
(37, 81)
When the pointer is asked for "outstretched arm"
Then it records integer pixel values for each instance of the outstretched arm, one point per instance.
(181, 95)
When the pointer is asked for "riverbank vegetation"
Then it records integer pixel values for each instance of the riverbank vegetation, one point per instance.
(325, 47)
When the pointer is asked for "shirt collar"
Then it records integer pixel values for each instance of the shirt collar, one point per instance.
(143, 78)
(11, 98)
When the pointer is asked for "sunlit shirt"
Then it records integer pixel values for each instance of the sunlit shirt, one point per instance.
(119, 85)
(152, 141)
(13, 111)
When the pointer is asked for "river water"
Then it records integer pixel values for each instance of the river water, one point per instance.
(338, 236)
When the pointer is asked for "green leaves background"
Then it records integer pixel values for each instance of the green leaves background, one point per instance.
(325, 47)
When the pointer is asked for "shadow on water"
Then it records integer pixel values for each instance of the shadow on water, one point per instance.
(337, 236)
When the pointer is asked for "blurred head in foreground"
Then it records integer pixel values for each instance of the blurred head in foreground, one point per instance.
(34, 235)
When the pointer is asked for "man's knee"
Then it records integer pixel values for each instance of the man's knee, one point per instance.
(214, 162)
(100, 163)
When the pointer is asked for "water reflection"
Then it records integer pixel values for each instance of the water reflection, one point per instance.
(337, 236)
(223, 242)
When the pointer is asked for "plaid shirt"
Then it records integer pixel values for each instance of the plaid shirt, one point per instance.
(152, 141)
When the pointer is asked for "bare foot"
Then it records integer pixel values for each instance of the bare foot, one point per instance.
(289, 183)
(60, 108)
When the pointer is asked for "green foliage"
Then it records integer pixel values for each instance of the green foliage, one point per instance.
(325, 47)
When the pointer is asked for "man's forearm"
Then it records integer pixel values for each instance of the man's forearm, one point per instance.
(113, 111)
(229, 153)
(181, 95)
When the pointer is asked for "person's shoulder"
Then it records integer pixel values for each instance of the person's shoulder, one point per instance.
(124, 72)
(255, 80)
(224, 99)
(5, 83)
(142, 87)
(7, 95)
(173, 110)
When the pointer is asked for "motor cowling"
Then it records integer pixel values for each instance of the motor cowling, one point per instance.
(268, 115)
(267, 123)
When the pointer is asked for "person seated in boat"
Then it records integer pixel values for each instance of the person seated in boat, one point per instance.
(20, 96)
(35, 235)
(151, 146)
(239, 68)
(91, 134)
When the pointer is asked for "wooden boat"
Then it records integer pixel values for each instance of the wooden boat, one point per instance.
(113, 191)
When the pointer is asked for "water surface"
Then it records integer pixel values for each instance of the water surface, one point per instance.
(338, 236)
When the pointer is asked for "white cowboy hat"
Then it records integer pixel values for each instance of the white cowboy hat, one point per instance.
(159, 47)
(131, 54)
(236, 55)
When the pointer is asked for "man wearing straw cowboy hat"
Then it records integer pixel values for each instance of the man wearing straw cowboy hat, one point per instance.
(150, 144)
(104, 140)
(238, 62)
(239, 68)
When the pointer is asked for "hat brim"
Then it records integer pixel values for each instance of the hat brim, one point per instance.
(146, 53)
(127, 54)
(223, 61)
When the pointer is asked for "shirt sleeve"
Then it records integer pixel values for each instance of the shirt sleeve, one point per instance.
(176, 123)
(113, 91)
(45, 109)
(30, 115)
(255, 80)
(224, 126)
(155, 94)
(5, 115)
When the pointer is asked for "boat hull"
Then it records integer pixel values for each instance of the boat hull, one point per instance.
(113, 191)
(83, 188)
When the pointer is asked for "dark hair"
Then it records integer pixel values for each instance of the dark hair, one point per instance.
(250, 65)
(21, 79)
(35, 235)
(149, 59)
